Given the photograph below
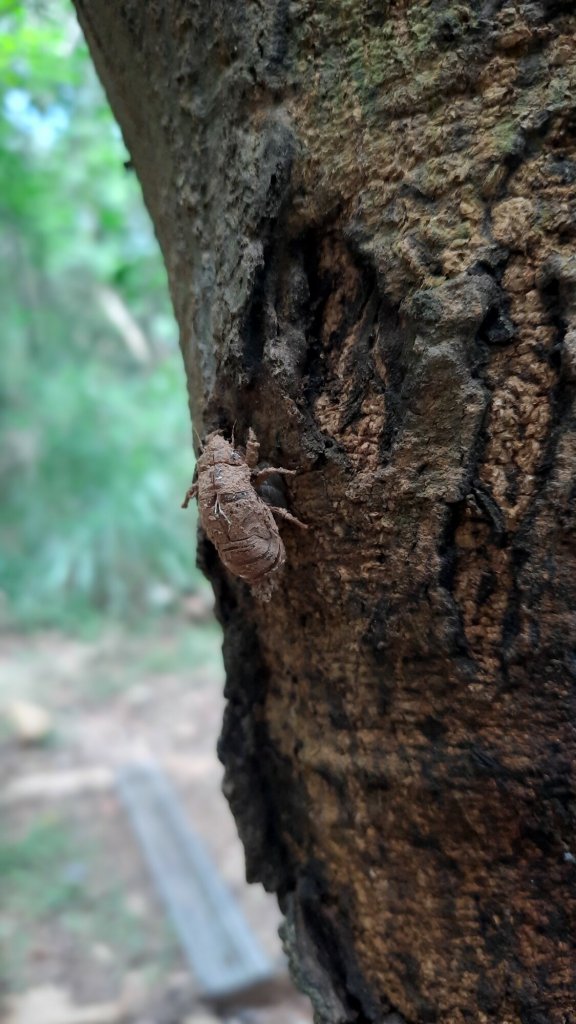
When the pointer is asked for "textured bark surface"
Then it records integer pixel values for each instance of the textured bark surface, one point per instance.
(368, 216)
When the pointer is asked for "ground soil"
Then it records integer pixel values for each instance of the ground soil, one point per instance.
(78, 910)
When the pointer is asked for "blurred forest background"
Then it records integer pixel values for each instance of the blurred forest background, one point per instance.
(109, 652)
(95, 439)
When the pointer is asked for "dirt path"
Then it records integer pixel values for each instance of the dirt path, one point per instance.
(76, 905)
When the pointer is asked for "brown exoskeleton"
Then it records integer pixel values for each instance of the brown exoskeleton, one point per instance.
(239, 523)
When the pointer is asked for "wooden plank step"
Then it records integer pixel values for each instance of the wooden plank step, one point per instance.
(215, 937)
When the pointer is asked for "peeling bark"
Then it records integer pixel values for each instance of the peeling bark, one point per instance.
(368, 216)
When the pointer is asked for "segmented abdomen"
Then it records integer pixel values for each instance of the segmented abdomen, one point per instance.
(253, 558)
(244, 532)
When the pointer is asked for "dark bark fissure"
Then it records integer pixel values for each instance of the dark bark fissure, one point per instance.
(254, 329)
(561, 404)
(252, 770)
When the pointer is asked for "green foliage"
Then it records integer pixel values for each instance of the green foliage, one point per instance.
(95, 449)
(31, 870)
(94, 516)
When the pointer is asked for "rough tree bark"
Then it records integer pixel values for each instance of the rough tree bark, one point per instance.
(367, 212)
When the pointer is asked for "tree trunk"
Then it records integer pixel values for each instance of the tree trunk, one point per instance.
(367, 212)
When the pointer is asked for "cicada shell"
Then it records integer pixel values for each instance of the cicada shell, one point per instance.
(234, 517)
